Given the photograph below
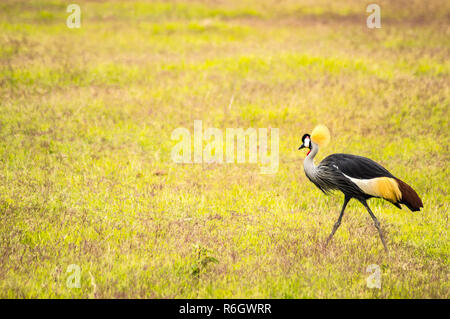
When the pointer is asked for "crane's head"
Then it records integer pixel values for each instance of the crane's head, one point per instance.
(320, 136)
(306, 142)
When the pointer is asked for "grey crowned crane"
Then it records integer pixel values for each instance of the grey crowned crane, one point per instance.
(356, 176)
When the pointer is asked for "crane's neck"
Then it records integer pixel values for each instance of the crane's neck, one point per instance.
(308, 163)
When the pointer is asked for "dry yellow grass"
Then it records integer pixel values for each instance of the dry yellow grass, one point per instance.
(86, 176)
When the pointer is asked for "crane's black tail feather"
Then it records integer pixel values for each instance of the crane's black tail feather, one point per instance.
(409, 196)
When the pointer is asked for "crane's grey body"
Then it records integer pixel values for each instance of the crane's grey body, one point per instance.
(332, 174)
(356, 177)
(340, 171)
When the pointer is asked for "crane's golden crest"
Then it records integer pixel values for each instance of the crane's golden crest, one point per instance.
(320, 135)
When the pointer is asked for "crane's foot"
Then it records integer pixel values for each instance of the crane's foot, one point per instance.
(377, 225)
(338, 222)
(380, 232)
(335, 227)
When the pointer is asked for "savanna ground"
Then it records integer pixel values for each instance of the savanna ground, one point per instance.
(86, 175)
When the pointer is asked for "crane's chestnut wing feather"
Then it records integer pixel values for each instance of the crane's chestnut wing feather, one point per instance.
(360, 167)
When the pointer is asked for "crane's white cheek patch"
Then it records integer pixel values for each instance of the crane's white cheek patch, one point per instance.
(306, 142)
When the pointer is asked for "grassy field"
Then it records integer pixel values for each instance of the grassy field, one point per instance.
(86, 175)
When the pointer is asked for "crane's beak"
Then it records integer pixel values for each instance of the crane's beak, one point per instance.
(302, 146)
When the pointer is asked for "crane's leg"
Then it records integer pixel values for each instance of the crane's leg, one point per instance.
(338, 223)
(377, 225)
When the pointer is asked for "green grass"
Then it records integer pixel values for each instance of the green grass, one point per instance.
(86, 176)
